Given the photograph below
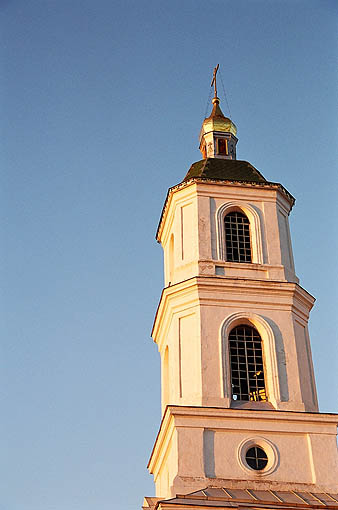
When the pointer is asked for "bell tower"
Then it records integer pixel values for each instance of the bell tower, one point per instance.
(239, 401)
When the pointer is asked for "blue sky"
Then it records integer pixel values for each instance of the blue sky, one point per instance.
(101, 104)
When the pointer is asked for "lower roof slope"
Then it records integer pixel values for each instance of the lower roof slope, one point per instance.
(224, 170)
(254, 498)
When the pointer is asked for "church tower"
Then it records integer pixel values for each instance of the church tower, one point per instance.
(240, 422)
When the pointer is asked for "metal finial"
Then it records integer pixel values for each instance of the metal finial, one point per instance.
(213, 83)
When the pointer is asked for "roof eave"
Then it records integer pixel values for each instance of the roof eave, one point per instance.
(194, 180)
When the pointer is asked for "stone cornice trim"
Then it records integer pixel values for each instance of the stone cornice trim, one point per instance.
(194, 180)
(273, 414)
(208, 285)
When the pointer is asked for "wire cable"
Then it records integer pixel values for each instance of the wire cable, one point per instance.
(207, 105)
(226, 98)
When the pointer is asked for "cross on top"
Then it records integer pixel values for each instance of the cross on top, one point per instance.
(214, 79)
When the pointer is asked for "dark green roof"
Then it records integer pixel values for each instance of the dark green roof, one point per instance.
(224, 170)
(228, 171)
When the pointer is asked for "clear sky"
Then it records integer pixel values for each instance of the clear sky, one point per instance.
(101, 103)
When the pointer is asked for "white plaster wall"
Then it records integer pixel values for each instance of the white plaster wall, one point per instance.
(293, 464)
(167, 466)
(304, 361)
(301, 448)
(180, 218)
(284, 343)
(182, 374)
(192, 218)
(198, 356)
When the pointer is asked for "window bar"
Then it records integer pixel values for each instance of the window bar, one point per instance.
(246, 364)
(237, 237)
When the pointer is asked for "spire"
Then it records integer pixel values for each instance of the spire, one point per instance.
(214, 82)
(216, 111)
(218, 133)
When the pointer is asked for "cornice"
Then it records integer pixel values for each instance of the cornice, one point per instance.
(270, 414)
(206, 288)
(195, 180)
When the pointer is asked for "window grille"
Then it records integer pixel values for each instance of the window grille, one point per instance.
(256, 458)
(246, 363)
(237, 237)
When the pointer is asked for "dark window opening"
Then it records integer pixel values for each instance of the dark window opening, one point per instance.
(246, 364)
(222, 146)
(256, 458)
(237, 237)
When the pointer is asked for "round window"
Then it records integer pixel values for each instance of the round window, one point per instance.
(256, 458)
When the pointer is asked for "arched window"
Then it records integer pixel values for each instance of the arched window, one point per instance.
(237, 237)
(246, 364)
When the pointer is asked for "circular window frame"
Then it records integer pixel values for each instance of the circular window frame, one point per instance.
(269, 448)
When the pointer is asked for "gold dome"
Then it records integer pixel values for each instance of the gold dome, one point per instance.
(217, 121)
